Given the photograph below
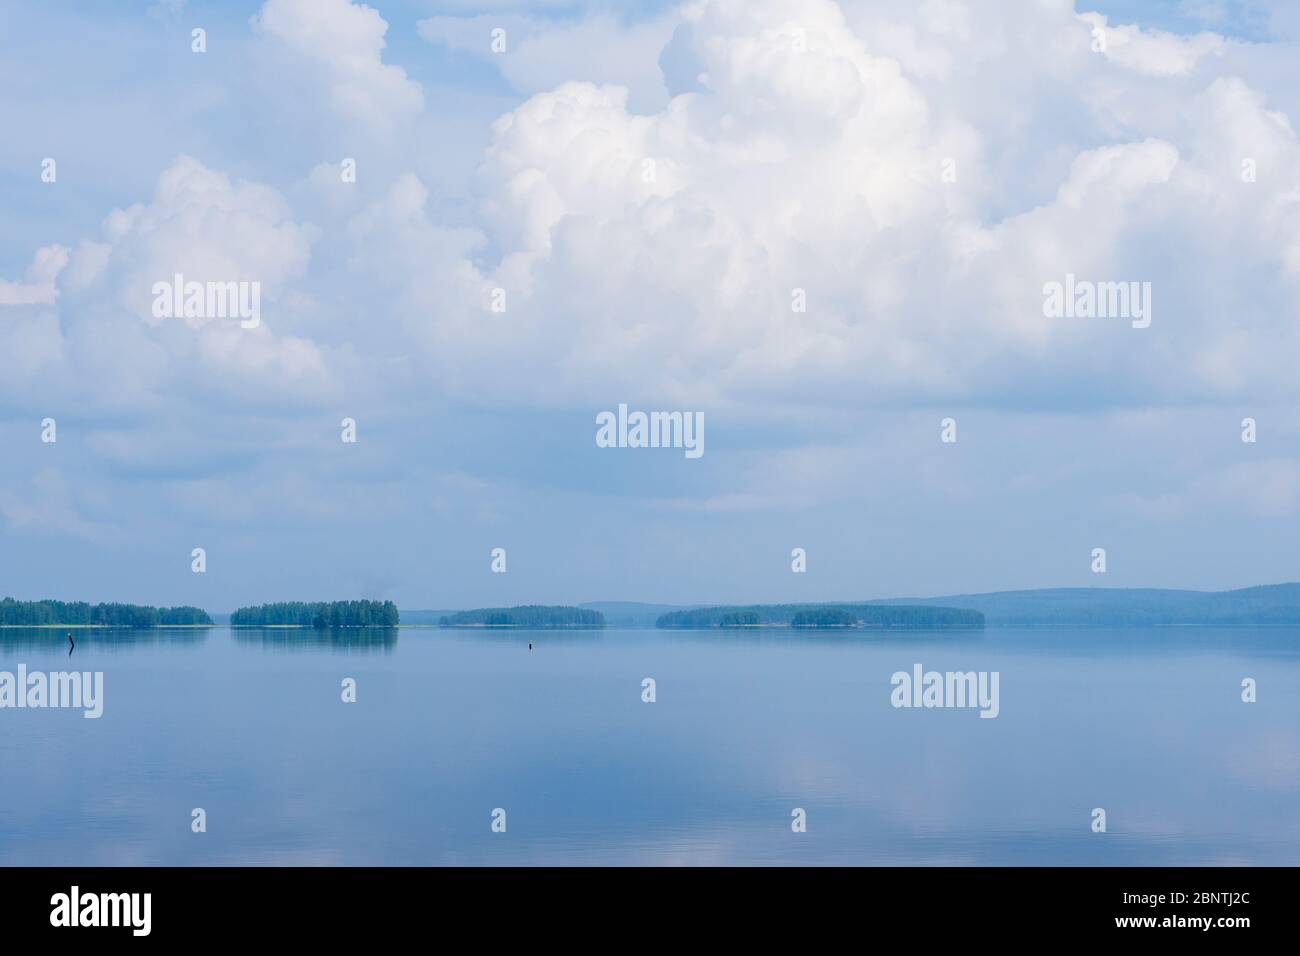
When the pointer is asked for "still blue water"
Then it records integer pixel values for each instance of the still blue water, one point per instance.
(449, 725)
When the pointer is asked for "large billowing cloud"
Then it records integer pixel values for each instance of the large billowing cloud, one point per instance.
(341, 44)
(655, 196)
(842, 157)
(97, 338)
(661, 251)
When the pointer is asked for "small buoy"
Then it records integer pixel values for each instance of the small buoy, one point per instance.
(530, 645)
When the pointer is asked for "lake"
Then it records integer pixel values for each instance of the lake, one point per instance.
(448, 726)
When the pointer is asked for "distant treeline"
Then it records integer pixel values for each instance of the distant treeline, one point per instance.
(531, 615)
(37, 613)
(823, 615)
(1261, 606)
(321, 614)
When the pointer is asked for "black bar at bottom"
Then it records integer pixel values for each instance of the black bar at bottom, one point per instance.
(336, 905)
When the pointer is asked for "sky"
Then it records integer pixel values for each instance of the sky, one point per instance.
(826, 228)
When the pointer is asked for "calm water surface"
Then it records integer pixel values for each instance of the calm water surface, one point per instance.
(448, 725)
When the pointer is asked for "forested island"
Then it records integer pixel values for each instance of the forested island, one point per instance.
(82, 614)
(529, 615)
(823, 615)
(318, 614)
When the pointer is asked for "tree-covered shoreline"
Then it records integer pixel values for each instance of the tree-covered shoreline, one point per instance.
(318, 614)
(51, 613)
(528, 615)
(823, 615)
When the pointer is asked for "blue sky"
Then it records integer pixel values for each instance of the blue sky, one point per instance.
(649, 186)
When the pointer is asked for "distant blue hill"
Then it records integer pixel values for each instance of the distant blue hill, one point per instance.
(1266, 605)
